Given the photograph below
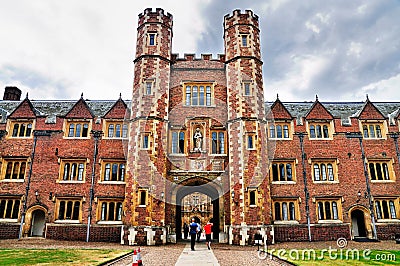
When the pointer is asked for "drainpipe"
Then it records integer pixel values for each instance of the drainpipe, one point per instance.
(358, 135)
(36, 133)
(306, 193)
(96, 135)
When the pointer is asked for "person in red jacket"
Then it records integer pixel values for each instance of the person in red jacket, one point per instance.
(208, 229)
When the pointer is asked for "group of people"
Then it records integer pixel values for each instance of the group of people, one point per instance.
(194, 229)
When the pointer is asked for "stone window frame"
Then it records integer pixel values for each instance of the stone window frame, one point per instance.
(320, 129)
(324, 176)
(379, 208)
(272, 130)
(143, 197)
(383, 173)
(149, 90)
(188, 93)
(176, 143)
(248, 88)
(373, 129)
(103, 210)
(220, 148)
(283, 180)
(251, 141)
(15, 133)
(332, 203)
(244, 39)
(73, 178)
(70, 213)
(146, 140)
(8, 172)
(104, 171)
(123, 132)
(8, 214)
(252, 197)
(152, 38)
(83, 133)
(289, 201)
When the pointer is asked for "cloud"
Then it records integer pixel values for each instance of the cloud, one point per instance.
(334, 49)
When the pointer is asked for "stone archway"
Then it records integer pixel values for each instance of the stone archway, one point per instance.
(360, 222)
(209, 189)
(35, 221)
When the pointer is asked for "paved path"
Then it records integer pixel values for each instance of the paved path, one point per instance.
(201, 256)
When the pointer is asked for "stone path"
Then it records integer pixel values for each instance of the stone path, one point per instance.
(201, 256)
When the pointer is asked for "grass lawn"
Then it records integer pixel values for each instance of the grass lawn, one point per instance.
(340, 257)
(57, 256)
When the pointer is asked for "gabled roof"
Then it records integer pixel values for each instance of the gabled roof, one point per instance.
(118, 110)
(278, 111)
(370, 111)
(318, 111)
(80, 110)
(25, 110)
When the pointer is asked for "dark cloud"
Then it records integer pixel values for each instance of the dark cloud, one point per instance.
(329, 48)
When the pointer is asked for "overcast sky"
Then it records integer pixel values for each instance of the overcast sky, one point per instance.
(338, 50)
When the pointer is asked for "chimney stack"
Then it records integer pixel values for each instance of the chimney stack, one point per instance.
(12, 93)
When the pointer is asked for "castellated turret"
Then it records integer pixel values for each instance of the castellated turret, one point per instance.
(244, 65)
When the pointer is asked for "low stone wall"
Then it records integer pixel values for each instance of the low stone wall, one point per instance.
(319, 232)
(387, 231)
(144, 235)
(77, 232)
(9, 230)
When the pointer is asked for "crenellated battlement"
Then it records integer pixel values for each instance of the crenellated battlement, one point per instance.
(248, 17)
(192, 57)
(158, 16)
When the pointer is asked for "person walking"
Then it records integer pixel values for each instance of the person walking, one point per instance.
(198, 232)
(208, 229)
(185, 230)
(193, 233)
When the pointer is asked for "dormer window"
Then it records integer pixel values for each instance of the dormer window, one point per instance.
(372, 130)
(21, 129)
(77, 129)
(319, 130)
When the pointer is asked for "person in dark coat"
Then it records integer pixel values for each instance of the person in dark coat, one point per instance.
(193, 233)
(185, 230)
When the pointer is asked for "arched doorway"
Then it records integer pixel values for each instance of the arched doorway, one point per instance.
(358, 228)
(38, 222)
(212, 193)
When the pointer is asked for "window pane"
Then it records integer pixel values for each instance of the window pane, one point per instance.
(371, 131)
(335, 211)
(272, 131)
(181, 142)
(221, 143)
(312, 131)
(378, 131)
(188, 95)
(78, 130)
(289, 172)
(201, 96)
(279, 131)
(328, 215)
(365, 130)
(118, 131)
(372, 171)
(392, 210)
(378, 210)
(285, 131)
(277, 211)
(114, 172)
(292, 211)
(275, 173)
(319, 131)
(321, 215)
(15, 130)
(121, 172)
(124, 131)
(316, 172)
(111, 131)
(282, 172)
(284, 211)
(71, 130)
(330, 172)
(107, 172)
(208, 95)
(195, 95)
(323, 172)
(326, 132)
(85, 130)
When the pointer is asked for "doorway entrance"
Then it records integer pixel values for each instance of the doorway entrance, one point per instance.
(199, 202)
(358, 224)
(38, 223)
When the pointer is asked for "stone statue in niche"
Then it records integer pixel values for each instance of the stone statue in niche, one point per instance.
(198, 140)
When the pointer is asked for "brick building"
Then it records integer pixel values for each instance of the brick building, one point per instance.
(122, 170)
